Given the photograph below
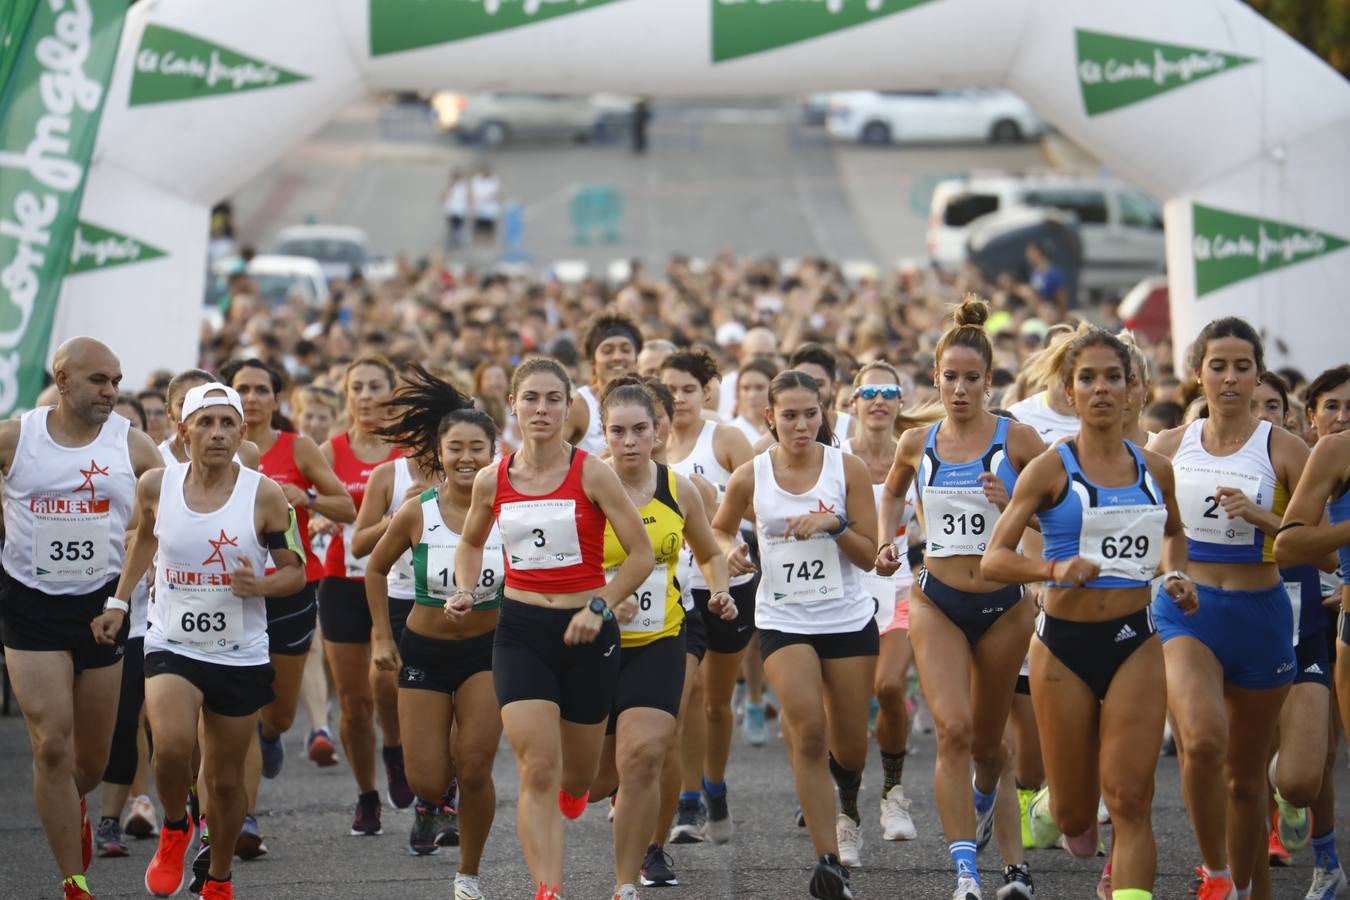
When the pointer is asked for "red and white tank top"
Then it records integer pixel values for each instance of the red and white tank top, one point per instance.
(278, 464)
(554, 542)
(66, 508)
(353, 472)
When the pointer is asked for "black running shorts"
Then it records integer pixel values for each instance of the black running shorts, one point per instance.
(734, 636)
(345, 614)
(434, 664)
(226, 690)
(290, 621)
(650, 676)
(863, 642)
(531, 662)
(33, 620)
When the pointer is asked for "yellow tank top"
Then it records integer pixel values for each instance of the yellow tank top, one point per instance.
(659, 613)
(1277, 506)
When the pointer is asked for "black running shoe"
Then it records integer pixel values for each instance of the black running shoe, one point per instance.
(366, 822)
(1017, 883)
(401, 796)
(447, 826)
(422, 837)
(719, 828)
(201, 867)
(691, 823)
(656, 868)
(829, 880)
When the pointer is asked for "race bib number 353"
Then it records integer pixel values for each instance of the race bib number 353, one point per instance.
(74, 549)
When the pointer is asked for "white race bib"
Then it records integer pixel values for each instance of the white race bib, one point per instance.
(651, 602)
(1201, 513)
(958, 521)
(441, 572)
(401, 572)
(1125, 541)
(208, 618)
(802, 571)
(881, 588)
(1295, 591)
(71, 548)
(355, 565)
(541, 534)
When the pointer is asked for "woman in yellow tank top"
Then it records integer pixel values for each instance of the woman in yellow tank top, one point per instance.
(651, 675)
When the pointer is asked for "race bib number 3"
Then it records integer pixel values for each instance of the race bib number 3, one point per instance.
(958, 521)
(1204, 518)
(651, 602)
(541, 534)
(802, 571)
(70, 549)
(212, 620)
(1125, 541)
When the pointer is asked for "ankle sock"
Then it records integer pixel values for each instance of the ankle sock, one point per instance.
(983, 801)
(79, 881)
(892, 770)
(963, 854)
(1216, 873)
(180, 825)
(1130, 894)
(714, 788)
(848, 782)
(1324, 849)
(690, 796)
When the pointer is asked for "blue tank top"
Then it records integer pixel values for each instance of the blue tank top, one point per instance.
(1338, 511)
(1119, 528)
(957, 518)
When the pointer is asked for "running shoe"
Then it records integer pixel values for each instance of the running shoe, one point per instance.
(896, 822)
(1040, 820)
(657, 868)
(1279, 854)
(218, 890)
(447, 826)
(572, 807)
(719, 827)
(1017, 883)
(799, 817)
(1104, 883)
(164, 875)
(848, 834)
(739, 701)
(1294, 824)
(249, 845)
(626, 892)
(400, 795)
(273, 754)
(108, 841)
(86, 835)
(829, 879)
(366, 822)
(691, 822)
(984, 823)
(73, 891)
(422, 837)
(756, 732)
(873, 712)
(1024, 796)
(201, 867)
(1103, 815)
(1327, 884)
(142, 822)
(319, 746)
(1081, 846)
(1216, 887)
(466, 887)
(967, 888)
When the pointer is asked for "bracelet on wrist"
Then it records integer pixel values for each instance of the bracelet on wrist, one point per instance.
(843, 525)
(114, 603)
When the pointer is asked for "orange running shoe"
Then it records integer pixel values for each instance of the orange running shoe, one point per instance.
(86, 836)
(164, 875)
(217, 890)
(1279, 855)
(1216, 887)
(572, 807)
(76, 890)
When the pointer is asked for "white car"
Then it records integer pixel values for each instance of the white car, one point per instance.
(967, 114)
(277, 278)
(493, 119)
(337, 248)
(1121, 228)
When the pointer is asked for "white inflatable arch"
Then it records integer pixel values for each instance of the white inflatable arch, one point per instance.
(1245, 134)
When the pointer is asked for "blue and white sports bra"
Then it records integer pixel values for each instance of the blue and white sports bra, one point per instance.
(1118, 528)
(957, 519)
(1338, 511)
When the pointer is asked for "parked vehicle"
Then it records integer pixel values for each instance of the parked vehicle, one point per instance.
(1120, 227)
(494, 119)
(998, 245)
(338, 249)
(968, 114)
(1147, 310)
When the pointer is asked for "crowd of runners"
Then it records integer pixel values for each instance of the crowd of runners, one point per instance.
(615, 573)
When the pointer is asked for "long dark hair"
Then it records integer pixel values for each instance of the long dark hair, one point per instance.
(424, 407)
(235, 366)
(794, 378)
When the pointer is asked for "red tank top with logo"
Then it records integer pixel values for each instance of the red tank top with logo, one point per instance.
(278, 464)
(554, 542)
(353, 472)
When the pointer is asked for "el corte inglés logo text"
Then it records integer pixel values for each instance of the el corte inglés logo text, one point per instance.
(1228, 247)
(174, 65)
(1115, 71)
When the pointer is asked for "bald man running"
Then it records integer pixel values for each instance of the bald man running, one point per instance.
(69, 484)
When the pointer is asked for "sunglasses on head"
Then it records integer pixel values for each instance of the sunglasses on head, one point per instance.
(872, 391)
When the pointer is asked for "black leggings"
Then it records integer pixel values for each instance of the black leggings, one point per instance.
(122, 758)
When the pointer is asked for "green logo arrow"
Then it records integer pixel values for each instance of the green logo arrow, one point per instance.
(1229, 247)
(1116, 71)
(743, 27)
(174, 65)
(398, 25)
(102, 248)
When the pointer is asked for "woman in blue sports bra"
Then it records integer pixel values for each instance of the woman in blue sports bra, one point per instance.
(1109, 516)
(969, 634)
(1229, 666)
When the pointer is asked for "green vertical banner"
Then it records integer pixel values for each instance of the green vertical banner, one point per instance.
(50, 106)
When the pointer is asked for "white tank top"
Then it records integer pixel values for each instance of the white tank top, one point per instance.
(401, 573)
(702, 461)
(66, 508)
(195, 613)
(807, 587)
(593, 441)
(140, 606)
(842, 423)
(1049, 424)
(166, 451)
(1211, 536)
(903, 576)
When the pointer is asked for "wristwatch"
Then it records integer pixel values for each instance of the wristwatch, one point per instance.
(600, 608)
(1177, 574)
(313, 496)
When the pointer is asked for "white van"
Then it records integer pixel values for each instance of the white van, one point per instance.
(1121, 227)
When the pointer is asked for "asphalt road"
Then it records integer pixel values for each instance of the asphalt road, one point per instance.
(306, 814)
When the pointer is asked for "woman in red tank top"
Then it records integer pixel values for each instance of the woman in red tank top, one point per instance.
(308, 481)
(556, 651)
(343, 611)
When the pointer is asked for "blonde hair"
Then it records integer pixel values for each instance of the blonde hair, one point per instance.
(1142, 369)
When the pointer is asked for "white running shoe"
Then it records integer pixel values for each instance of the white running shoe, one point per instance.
(1327, 884)
(848, 833)
(967, 888)
(1103, 815)
(896, 822)
(626, 892)
(466, 887)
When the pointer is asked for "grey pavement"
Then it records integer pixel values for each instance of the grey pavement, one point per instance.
(306, 814)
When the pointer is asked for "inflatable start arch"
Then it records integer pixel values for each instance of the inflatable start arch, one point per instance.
(1204, 103)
